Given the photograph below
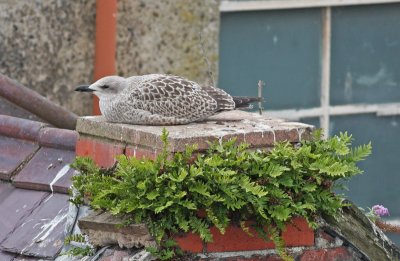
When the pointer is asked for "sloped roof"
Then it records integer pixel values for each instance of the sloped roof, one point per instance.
(34, 180)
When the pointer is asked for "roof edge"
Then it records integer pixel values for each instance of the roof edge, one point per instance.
(58, 138)
(20, 128)
(39, 132)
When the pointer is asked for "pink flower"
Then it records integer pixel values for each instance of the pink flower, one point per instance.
(380, 210)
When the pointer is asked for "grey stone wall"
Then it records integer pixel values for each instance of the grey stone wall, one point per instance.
(164, 37)
(48, 45)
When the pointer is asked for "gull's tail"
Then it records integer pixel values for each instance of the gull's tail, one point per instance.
(245, 102)
(227, 102)
(224, 100)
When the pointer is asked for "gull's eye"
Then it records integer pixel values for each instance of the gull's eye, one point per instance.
(104, 87)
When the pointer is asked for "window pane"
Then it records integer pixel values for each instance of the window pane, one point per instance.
(311, 121)
(365, 54)
(380, 182)
(281, 47)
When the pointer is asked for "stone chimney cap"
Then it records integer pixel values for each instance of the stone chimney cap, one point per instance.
(258, 131)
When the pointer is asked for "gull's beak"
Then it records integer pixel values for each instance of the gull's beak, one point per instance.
(83, 88)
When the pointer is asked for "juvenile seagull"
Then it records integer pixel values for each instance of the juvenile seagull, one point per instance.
(158, 99)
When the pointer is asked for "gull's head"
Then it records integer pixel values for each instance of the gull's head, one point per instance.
(106, 87)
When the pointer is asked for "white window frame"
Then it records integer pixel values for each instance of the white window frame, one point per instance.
(235, 6)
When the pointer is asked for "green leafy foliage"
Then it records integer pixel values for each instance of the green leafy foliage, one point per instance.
(83, 250)
(79, 251)
(74, 238)
(229, 182)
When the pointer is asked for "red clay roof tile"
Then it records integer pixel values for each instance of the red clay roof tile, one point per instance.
(20, 128)
(13, 153)
(42, 233)
(4, 256)
(58, 138)
(48, 167)
(39, 157)
(15, 206)
(25, 258)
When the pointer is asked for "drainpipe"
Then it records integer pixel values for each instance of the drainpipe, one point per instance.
(105, 43)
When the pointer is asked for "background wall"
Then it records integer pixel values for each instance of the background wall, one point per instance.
(48, 46)
(164, 37)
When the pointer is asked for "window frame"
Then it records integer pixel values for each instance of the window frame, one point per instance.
(259, 5)
(325, 110)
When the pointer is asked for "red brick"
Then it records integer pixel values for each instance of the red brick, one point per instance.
(202, 143)
(84, 147)
(260, 139)
(291, 135)
(190, 242)
(140, 152)
(298, 234)
(235, 239)
(328, 254)
(313, 255)
(338, 254)
(102, 152)
(58, 138)
(325, 236)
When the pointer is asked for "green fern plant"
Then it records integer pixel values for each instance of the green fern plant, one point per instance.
(229, 182)
(83, 250)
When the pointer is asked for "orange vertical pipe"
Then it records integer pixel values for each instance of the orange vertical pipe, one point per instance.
(105, 43)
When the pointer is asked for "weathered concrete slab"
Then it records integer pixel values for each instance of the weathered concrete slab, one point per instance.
(353, 227)
(42, 233)
(245, 126)
(104, 229)
(115, 254)
(47, 170)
